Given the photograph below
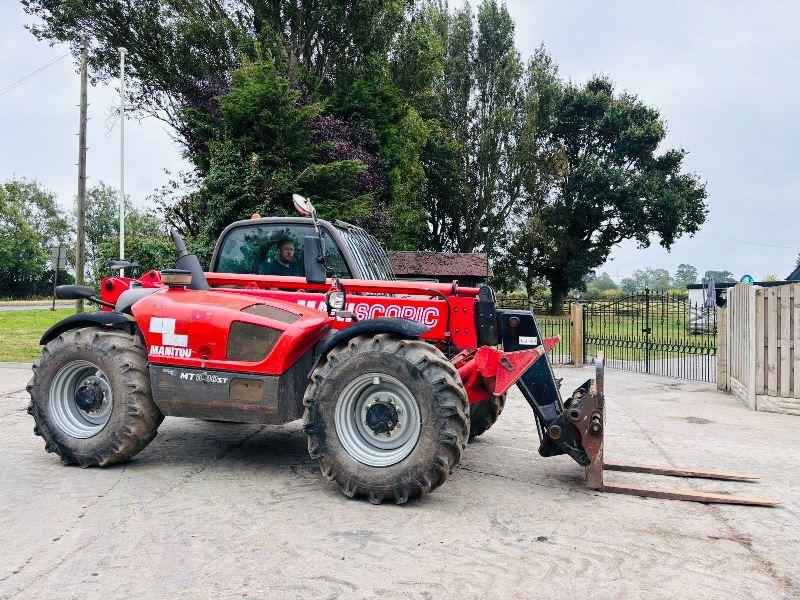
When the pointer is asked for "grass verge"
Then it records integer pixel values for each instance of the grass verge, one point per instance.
(20, 331)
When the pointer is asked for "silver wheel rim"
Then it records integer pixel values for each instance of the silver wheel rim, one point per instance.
(66, 414)
(356, 407)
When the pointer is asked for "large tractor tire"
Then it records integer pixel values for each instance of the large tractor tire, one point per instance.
(483, 414)
(387, 418)
(90, 397)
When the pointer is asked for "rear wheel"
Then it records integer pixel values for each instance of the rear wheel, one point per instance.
(483, 414)
(386, 418)
(90, 397)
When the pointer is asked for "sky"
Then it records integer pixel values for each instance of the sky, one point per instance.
(725, 75)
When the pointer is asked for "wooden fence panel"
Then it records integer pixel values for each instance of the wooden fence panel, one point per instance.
(762, 345)
(759, 341)
(785, 373)
(772, 341)
(796, 344)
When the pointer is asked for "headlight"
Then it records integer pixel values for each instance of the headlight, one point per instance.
(336, 300)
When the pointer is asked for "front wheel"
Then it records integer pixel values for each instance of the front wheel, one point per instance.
(483, 414)
(90, 397)
(387, 418)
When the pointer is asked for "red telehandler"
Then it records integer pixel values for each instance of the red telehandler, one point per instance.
(390, 377)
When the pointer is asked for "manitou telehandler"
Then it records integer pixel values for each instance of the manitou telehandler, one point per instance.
(391, 378)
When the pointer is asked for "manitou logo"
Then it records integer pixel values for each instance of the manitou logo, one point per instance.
(174, 344)
(170, 351)
(428, 315)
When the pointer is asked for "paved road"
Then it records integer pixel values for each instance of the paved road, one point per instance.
(12, 307)
(213, 510)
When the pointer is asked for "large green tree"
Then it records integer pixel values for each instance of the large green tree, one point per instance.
(471, 158)
(333, 58)
(594, 177)
(413, 119)
(266, 143)
(31, 222)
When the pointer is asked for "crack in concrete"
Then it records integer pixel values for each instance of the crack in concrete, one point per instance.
(543, 485)
(182, 480)
(7, 396)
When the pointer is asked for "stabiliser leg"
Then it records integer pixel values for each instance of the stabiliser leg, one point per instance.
(586, 410)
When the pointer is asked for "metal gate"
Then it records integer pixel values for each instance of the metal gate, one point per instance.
(653, 332)
(549, 326)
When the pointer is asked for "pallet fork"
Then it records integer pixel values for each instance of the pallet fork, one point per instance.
(576, 426)
(587, 411)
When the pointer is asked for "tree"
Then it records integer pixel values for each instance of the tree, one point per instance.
(597, 179)
(205, 40)
(684, 275)
(334, 57)
(602, 283)
(268, 142)
(146, 243)
(101, 222)
(720, 276)
(471, 157)
(30, 224)
(629, 285)
(597, 286)
(652, 279)
(416, 121)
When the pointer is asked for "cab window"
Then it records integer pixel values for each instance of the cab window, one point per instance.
(273, 250)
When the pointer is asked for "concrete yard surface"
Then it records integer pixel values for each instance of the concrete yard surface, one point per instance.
(215, 510)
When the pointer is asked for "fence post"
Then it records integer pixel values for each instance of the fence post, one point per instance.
(722, 349)
(576, 333)
(751, 348)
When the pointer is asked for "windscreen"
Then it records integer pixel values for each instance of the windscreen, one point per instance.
(267, 249)
(367, 253)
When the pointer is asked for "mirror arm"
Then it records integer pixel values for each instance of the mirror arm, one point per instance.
(96, 300)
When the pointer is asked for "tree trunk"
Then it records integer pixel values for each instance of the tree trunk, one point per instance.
(557, 297)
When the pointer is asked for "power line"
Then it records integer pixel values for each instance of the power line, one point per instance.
(744, 242)
(20, 82)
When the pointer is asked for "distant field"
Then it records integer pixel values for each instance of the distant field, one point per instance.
(20, 331)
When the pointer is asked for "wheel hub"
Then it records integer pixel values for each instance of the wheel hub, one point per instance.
(382, 417)
(89, 396)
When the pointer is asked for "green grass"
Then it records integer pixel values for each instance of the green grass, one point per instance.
(20, 331)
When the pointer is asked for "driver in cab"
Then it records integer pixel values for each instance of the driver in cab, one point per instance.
(283, 263)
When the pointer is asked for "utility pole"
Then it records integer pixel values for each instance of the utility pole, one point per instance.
(80, 249)
(122, 53)
(488, 248)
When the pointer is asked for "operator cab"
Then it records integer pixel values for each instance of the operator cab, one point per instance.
(274, 246)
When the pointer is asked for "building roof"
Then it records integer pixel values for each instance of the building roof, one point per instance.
(439, 264)
(794, 275)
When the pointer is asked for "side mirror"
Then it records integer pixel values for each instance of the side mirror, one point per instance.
(303, 205)
(314, 259)
(115, 264)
